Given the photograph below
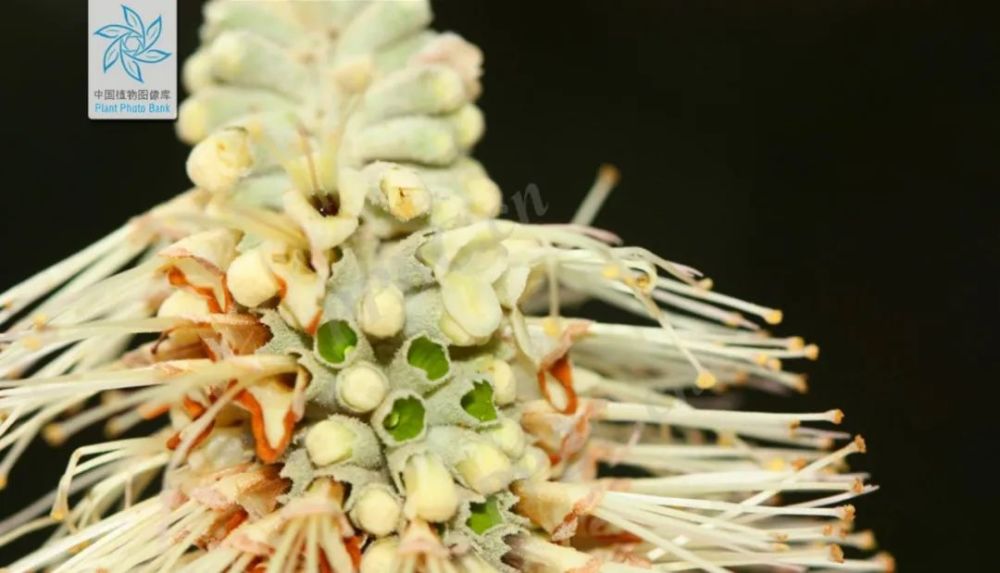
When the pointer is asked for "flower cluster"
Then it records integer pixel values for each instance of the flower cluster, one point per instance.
(356, 367)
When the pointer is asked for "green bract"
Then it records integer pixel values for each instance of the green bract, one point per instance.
(334, 340)
(428, 356)
(484, 515)
(479, 402)
(406, 419)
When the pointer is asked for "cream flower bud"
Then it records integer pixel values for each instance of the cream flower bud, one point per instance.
(246, 59)
(469, 125)
(329, 442)
(431, 494)
(448, 212)
(534, 464)
(509, 437)
(218, 162)
(381, 311)
(192, 120)
(504, 382)
(415, 90)
(396, 189)
(380, 556)
(250, 280)
(405, 194)
(472, 303)
(376, 511)
(361, 388)
(183, 303)
(354, 75)
(213, 106)
(227, 54)
(196, 73)
(484, 197)
(417, 139)
(484, 467)
(455, 52)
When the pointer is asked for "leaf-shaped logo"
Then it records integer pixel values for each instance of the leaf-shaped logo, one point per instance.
(132, 69)
(153, 32)
(132, 19)
(111, 55)
(152, 56)
(113, 31)
(132, 44)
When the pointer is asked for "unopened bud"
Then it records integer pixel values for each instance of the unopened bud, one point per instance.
(405, 194)
(376, 511)
(380, 312)
(484, 467)
(183, 303)
(504, 383)
(250, 280)
(509, 437)
(484, 197)
(218, 162)
(534, 464)
(329, 442)
(380, 556)
(430, 491)
(361, 388)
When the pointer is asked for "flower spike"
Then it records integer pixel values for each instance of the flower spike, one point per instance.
(343, 361)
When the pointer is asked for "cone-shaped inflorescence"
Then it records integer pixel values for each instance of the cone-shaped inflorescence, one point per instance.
(354, 366)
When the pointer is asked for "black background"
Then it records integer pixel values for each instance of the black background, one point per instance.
(837, 159)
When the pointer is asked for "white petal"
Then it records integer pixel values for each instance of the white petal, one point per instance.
(471, 302)
(443, 248)
(485, 260)
(352, 188)
(456, 335)
(215, 248)
(511, 284)
(323, 232)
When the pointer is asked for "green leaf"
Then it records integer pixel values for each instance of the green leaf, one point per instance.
(428, 356)
(406, 419)
(478, 402)
(334, 339)
(484, 515)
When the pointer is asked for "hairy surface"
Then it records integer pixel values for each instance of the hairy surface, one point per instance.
(357, 367)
